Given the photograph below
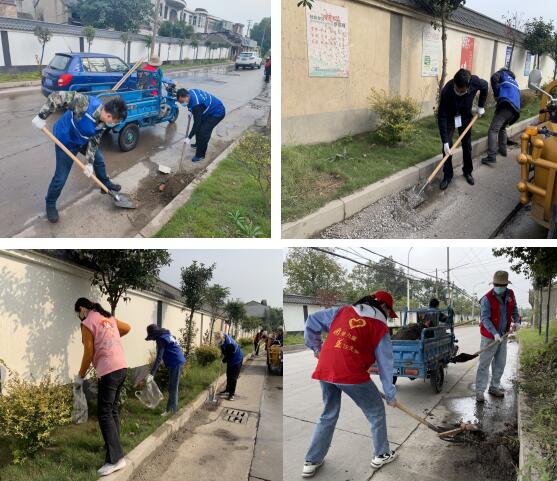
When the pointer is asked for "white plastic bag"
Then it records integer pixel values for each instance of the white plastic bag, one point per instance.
(80, 411)
(150, 395)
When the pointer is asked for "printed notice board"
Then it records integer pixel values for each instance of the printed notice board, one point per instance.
(431, 52)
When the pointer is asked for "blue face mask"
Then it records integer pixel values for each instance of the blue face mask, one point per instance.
(499, 290)
(111, 125)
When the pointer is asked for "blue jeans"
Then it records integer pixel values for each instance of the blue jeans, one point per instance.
(496, 356)
(63, 166)
(173, 384)
(367, 398)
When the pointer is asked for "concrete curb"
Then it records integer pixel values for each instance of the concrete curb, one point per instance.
(528, 448)
(144, 449)
(345, 207)
(168, 211)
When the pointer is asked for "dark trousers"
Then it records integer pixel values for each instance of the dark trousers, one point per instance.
(467, 166)
(64, 165)
(232, 374)
(497, 134)
(256, 347)
(110, 386)
(204, 133)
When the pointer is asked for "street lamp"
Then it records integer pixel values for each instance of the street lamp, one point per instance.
(408, 285)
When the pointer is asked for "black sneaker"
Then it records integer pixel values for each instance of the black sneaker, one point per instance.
(488, 161)
(502, 152)
(223, 393)
(52, 213)
(445, 183)
(112, 187)
(469, 178)
(230, 397)
(511, 142)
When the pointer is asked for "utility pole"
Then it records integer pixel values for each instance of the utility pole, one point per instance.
(249, 27)
(155, 27)
(436, 285)
(448, 278)
(408, 282)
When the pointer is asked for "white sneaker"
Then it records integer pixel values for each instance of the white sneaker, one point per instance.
(310, 469)
(386, 458)
(111, 468)
(164, 414)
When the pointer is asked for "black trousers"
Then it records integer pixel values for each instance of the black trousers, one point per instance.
(467, 166)
(204, 133)
(256, 347)
(110, 386)
(232, 374)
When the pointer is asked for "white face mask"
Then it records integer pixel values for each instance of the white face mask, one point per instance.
(460, 94)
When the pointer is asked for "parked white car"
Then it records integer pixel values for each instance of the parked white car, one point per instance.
(248, 60)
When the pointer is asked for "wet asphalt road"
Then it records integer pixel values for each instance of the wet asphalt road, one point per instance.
(27, 158)
(421, 454)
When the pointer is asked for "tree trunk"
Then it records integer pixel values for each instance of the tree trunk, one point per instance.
(547, 313)
(541, 312)
(211, 330)
(42, 54)
(189, 332)
(444, 44)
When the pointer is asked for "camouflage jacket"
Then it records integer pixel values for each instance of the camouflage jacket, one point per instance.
(78, 103)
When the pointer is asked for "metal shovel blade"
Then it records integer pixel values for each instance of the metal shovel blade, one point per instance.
(463, 357)
(122, 200)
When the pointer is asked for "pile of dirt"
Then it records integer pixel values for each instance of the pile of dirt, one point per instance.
(408, 333)
(496, 453)
(391, 216)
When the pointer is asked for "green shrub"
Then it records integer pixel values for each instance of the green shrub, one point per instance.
(527, 97)
(254, 154)
(206, 354)
(245, 341)
(30, 411)
(396, 115)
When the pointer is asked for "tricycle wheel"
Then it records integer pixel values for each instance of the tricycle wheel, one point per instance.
(175, 116)
(438, 377)
(394, 379)
(128, 138)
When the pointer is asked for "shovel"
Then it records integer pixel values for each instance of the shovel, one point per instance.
(184, 146)
(120, 200)
(463, 357)
(212, 399)
(418, 198)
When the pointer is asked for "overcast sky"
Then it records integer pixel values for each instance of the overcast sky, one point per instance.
(251, 274)
(235, 10)
(473, 267)
(529, 9)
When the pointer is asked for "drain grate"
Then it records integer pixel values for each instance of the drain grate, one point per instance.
(235, 416)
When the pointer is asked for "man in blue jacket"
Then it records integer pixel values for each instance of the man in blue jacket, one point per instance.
(233, 357)
(207, 111)
(169, 352)
(507, 93)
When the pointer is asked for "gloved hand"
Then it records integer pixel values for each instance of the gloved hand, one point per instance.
(392, 403)
(497, 337)
(447, 149)
(149, 378)
(187, 141)
(38, 123)
(481, 112)
(78, 380)
(88, 171)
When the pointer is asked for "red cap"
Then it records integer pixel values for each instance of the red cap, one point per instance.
(384, 296)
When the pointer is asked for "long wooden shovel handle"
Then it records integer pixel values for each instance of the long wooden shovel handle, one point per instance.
(125, 77)
(80, 164)
(403, 408)
(455, 145)
(490, 345)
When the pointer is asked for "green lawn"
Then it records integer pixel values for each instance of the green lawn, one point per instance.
(293, 339)
(210, 210)
(538, 363)
(313, 175)
(77, 451)
(20, 76)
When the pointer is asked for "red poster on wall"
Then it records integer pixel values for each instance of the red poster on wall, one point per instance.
(467, 53)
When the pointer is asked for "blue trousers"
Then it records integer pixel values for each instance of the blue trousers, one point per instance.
(64, 165)
(173, 385)
(367, 398)
(496, 357)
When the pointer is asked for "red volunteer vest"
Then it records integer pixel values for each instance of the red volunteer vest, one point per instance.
(349, 350)
(496, 314)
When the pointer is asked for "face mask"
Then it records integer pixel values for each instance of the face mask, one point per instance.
(110, 125)
(82, 317)
(185, 104)
(460, 94)
(499, 290)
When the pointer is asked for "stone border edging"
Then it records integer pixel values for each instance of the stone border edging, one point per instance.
(164, 216)
(340, 209)
(152, 442)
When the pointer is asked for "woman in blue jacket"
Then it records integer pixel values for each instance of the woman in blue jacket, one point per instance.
(169, 352)
(234, 358)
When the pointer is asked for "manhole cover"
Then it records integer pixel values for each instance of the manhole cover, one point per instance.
(235, 416)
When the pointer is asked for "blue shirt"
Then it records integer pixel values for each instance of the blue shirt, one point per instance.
(321, 321)
(485, 314)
